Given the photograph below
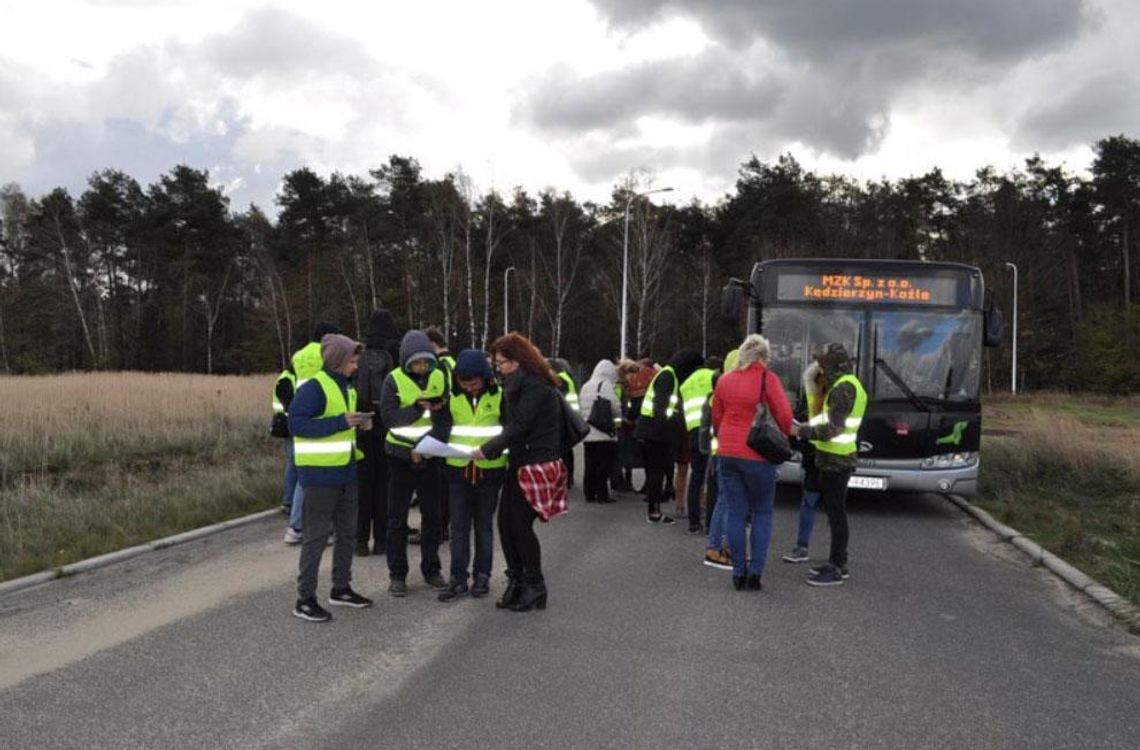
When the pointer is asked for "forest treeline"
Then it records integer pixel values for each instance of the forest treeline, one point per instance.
(169, 277)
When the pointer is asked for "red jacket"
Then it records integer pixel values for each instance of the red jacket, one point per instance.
(734, 405)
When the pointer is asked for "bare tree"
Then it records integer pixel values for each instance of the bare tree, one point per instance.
(649, 259)
(71, 274)
(560, 267)
(212, 309)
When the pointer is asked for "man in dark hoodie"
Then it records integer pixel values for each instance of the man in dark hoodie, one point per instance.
(410, 403)
(834, 433)
(661, 425)
(382, 349)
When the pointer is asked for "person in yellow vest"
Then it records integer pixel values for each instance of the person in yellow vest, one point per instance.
(473, 416)
(283, 389)
(835, 434)
(569, 390)
(306, 362)
(323, 421)
(809, 407)
(695, 393)
(660, 427)
(411, 400)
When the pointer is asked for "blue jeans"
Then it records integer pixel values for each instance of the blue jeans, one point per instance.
(807, 517)
(748, 486)
(290, 475)
(472, 503)
(717, 529)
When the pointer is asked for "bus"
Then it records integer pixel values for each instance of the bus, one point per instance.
(915, 331)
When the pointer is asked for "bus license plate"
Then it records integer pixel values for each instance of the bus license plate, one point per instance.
(867, 483)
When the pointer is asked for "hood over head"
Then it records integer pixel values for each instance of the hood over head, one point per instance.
(337, 349)
(685, 362)
(382, 330)
(415, 345)
(605, 370)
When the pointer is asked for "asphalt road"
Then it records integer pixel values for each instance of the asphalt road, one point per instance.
(942, 638)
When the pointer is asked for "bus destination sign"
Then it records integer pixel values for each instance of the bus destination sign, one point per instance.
(860, 288)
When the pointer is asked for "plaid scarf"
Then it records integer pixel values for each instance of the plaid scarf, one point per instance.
(545, 487)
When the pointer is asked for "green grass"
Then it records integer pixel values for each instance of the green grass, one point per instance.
(47, 521)
(1074, 489)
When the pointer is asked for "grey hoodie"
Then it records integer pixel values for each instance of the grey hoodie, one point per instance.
(600, 385)
(415, 345)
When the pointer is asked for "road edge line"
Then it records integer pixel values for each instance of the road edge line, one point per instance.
(110, 558)
(1126, 613)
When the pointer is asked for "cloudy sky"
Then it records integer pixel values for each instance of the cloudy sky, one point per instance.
(573, 94)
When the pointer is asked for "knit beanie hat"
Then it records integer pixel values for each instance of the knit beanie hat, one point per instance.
(472, 363)
(336, 350)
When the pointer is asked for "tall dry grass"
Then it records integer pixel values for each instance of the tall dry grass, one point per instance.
(59, 422)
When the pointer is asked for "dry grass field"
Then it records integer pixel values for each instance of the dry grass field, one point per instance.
(94, 462)
(1065, 470)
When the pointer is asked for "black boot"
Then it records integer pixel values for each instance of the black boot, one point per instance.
(533, 596)
(511, 593)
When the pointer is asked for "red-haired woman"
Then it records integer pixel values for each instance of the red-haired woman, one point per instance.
(535, 486)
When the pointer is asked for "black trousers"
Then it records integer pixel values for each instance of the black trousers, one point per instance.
(697, 464)
(600, 458)
(711, 489)
(372, 479)
(424, 480)
(516, 531)
(833, 497)
(658, 471)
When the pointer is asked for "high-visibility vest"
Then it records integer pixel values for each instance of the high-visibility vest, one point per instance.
(410, 393)
(286, 374)
(307, 362)
(571, 390)
(339, 448)
(845, 443)
(475, 424)
(448, 361)
(695, 391)
(650, 394)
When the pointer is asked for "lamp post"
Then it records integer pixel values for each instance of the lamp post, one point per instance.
(1013, 369)
(625, 263)
(506, 302)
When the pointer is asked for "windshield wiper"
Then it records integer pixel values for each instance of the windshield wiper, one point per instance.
(901, 385)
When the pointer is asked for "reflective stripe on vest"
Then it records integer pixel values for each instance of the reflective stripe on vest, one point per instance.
(651, 393)
(307, 362)
(694, 392)
(571, 390)
(339, 448)
(410, 393)
(845, 443)
(278, 407)
(474, 426)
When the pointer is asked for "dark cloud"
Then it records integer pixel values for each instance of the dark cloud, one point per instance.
(1006, 30)
(1102, 106)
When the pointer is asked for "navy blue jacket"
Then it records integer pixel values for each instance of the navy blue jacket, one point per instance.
(305, 421)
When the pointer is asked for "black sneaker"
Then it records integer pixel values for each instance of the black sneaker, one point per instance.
(481, 587)
(754, 582)
(831, 575)
(413, 536)
(308, 609)
(454, 590)
(397, 587)
(346, 597)
(436, 581)
(817, 570)
(695, 529)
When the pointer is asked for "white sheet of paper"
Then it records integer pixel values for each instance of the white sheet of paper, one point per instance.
(429, 446)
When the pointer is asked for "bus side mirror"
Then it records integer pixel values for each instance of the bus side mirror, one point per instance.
(992, 322)
(732, 301)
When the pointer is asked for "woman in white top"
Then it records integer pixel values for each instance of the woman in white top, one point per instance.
(601, 445)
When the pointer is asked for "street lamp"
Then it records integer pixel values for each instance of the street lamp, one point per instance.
(506, 302)
(625, 262)
(1013, 369)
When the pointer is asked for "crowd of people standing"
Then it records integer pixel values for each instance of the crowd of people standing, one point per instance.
(374, 428)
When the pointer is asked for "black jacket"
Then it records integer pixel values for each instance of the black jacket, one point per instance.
(532, 421)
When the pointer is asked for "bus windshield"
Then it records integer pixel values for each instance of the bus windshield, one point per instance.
(795, 334)
(935, 354)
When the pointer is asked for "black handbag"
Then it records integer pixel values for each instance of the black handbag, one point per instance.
(574, 428)
(764, 435)
(601, 414)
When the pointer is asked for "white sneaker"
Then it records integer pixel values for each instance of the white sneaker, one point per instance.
(292, 536)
